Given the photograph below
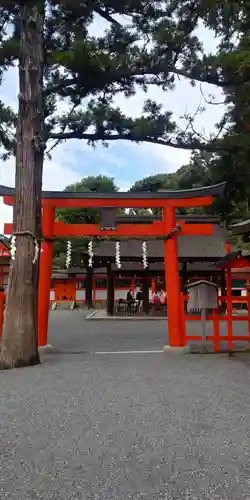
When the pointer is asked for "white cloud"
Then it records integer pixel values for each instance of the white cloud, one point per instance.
(55, 177)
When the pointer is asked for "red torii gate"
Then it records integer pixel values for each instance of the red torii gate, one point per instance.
(167, 229)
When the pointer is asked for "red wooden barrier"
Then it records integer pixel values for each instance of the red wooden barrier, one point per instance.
(216, 318)
(2, 299)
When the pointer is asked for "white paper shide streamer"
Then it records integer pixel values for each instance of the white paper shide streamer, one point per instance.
(118, 254)
(68, 254)
(36, 254)
(13, 247)
(144, 254)
(90, 253)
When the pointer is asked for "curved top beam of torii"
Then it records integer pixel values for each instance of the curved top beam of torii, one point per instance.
(215, 191)
(169, 200)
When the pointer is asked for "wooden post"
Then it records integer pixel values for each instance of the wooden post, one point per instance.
(229, 309)
(183, 283)
(145, 293)
(133, 286)
(183, 318)
(2, 299)
(89, 287)
(248, 315)
(94, 289)
(153, 287)
(216, 329)
(223, 305)
(183, 276)
(110, 290)
(45, 275)
(175, 317)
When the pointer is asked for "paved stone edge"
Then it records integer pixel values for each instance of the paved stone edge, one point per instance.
(48, 348)
(176, 350)
(95, 317)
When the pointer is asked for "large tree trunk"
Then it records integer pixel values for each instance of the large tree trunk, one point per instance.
(19, 340)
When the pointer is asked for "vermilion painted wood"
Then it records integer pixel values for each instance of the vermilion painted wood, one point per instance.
(4, 250)
(210, 317)
(235, 299)
(175, 318)
(229, 308)
(2, 298)
(45, 277)
(236, 263)
(182, 312)
(221, 337)
(61, 229)
(8, 200)
(216, 330)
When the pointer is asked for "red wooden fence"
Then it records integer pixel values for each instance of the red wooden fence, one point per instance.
(217, 317)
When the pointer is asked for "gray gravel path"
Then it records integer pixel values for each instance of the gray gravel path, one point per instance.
(125, 426)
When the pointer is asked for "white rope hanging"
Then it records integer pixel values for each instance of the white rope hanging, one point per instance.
(13, 247)
(144, 254)
(118, 254)
(68, 254)
(37, 251)
(90, 253)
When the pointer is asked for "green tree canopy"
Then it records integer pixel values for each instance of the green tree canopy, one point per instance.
(144, 45)
(98, 184)
(195, 174)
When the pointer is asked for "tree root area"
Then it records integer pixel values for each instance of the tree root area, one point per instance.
(20, 363)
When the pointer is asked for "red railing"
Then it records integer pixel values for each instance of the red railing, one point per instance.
(2, 302)
(216, 317)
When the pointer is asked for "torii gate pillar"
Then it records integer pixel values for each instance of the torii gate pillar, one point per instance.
(175, 317)
(45, 270)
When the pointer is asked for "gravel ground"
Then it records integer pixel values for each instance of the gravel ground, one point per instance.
(125, 426)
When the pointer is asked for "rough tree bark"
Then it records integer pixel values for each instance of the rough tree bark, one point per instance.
(19, 340)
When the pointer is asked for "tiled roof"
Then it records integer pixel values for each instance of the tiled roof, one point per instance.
(241, 227)
(5, 241)
(230, 258)
(215, 190)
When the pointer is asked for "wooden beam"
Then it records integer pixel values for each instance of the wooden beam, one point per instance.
(61, 229)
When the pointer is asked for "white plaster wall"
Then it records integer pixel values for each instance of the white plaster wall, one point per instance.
(121, 294)
(80, 295)
(101, 295)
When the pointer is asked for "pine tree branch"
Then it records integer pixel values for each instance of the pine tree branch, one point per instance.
(105, 15)
(156, 70)
(104, 137)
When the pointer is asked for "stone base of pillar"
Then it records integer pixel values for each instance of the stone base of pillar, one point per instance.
(176, 350)
(44, 349)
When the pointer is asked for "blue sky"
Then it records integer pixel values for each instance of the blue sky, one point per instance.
(124, 161)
